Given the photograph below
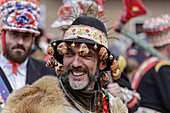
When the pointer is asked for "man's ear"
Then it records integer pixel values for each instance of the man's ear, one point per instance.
(102, 64)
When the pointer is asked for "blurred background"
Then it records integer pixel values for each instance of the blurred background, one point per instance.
(112, 9)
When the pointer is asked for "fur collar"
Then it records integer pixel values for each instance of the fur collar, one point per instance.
(46, 96)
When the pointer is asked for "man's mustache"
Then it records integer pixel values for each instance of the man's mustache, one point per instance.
(19, 47)
(71, 68)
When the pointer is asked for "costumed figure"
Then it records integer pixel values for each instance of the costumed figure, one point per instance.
(75, 7)
(132, 8)
(78, 59)
(152, 77)
(19, 23)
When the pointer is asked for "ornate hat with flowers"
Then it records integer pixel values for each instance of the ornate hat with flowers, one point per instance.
(20, 15)
(84, 30)
(158, 30)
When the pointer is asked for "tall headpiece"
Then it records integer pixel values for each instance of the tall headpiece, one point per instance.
(20, 15)
(158, 30)
(86, 30)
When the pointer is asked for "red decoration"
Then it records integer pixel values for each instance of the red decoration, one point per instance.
(132, 8)
(105, 105)
(14, 67)
(87, 30)
(73, 30)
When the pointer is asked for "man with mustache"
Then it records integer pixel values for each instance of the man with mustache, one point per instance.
(77, 59)
(19, 26)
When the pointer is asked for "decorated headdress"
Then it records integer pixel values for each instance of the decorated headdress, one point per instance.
(158, 30)
(84, 30)
(20, 15)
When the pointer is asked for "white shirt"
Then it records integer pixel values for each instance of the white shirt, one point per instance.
(16, 81)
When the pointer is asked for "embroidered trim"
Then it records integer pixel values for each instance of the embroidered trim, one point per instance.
(142, 69)
(106, 103)
(84, 31)
(160, 64)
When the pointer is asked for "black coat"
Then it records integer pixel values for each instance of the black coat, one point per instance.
(154, 89)
(35, 70)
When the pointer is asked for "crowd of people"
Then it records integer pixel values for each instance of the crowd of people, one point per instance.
(80, 73)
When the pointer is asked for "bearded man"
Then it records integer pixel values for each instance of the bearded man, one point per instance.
(19, 26)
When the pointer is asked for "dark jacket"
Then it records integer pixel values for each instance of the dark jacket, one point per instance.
(154, 88)
(35, 70)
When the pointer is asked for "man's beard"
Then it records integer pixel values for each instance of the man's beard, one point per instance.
(17, 56)
(79, 86)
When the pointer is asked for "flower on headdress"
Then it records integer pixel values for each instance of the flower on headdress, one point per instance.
(95, 35)
(87, 30)
(80, 32)
(22, 19)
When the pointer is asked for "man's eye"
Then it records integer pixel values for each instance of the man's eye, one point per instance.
(88, 55)
(26, 35)
(68, 53)
(14, 34)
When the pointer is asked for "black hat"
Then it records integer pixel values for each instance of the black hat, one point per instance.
(86, 30)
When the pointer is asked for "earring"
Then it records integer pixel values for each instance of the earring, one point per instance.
(83, 49)
(114, 66)
(51, 63)
(50, 50)
(73, 45)
(54, 44)
(111, 57)
(95, 47)
(116, 74)
(59, 69)
(62, 48)
(103, 53)
(115, 70)
(105, 78)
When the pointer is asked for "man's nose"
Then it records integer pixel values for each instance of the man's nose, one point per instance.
(20, 40)
(77, 61)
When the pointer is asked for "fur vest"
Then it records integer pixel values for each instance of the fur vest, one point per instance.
(46, 96)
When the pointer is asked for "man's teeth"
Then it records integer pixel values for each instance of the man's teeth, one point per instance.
(78, 73)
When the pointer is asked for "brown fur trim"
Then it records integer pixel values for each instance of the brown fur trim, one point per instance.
(44, 96)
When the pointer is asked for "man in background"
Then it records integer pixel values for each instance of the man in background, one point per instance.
(152, 78)
(19, 26)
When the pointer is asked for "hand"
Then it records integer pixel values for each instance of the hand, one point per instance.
(115, 90)
(1, 100)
